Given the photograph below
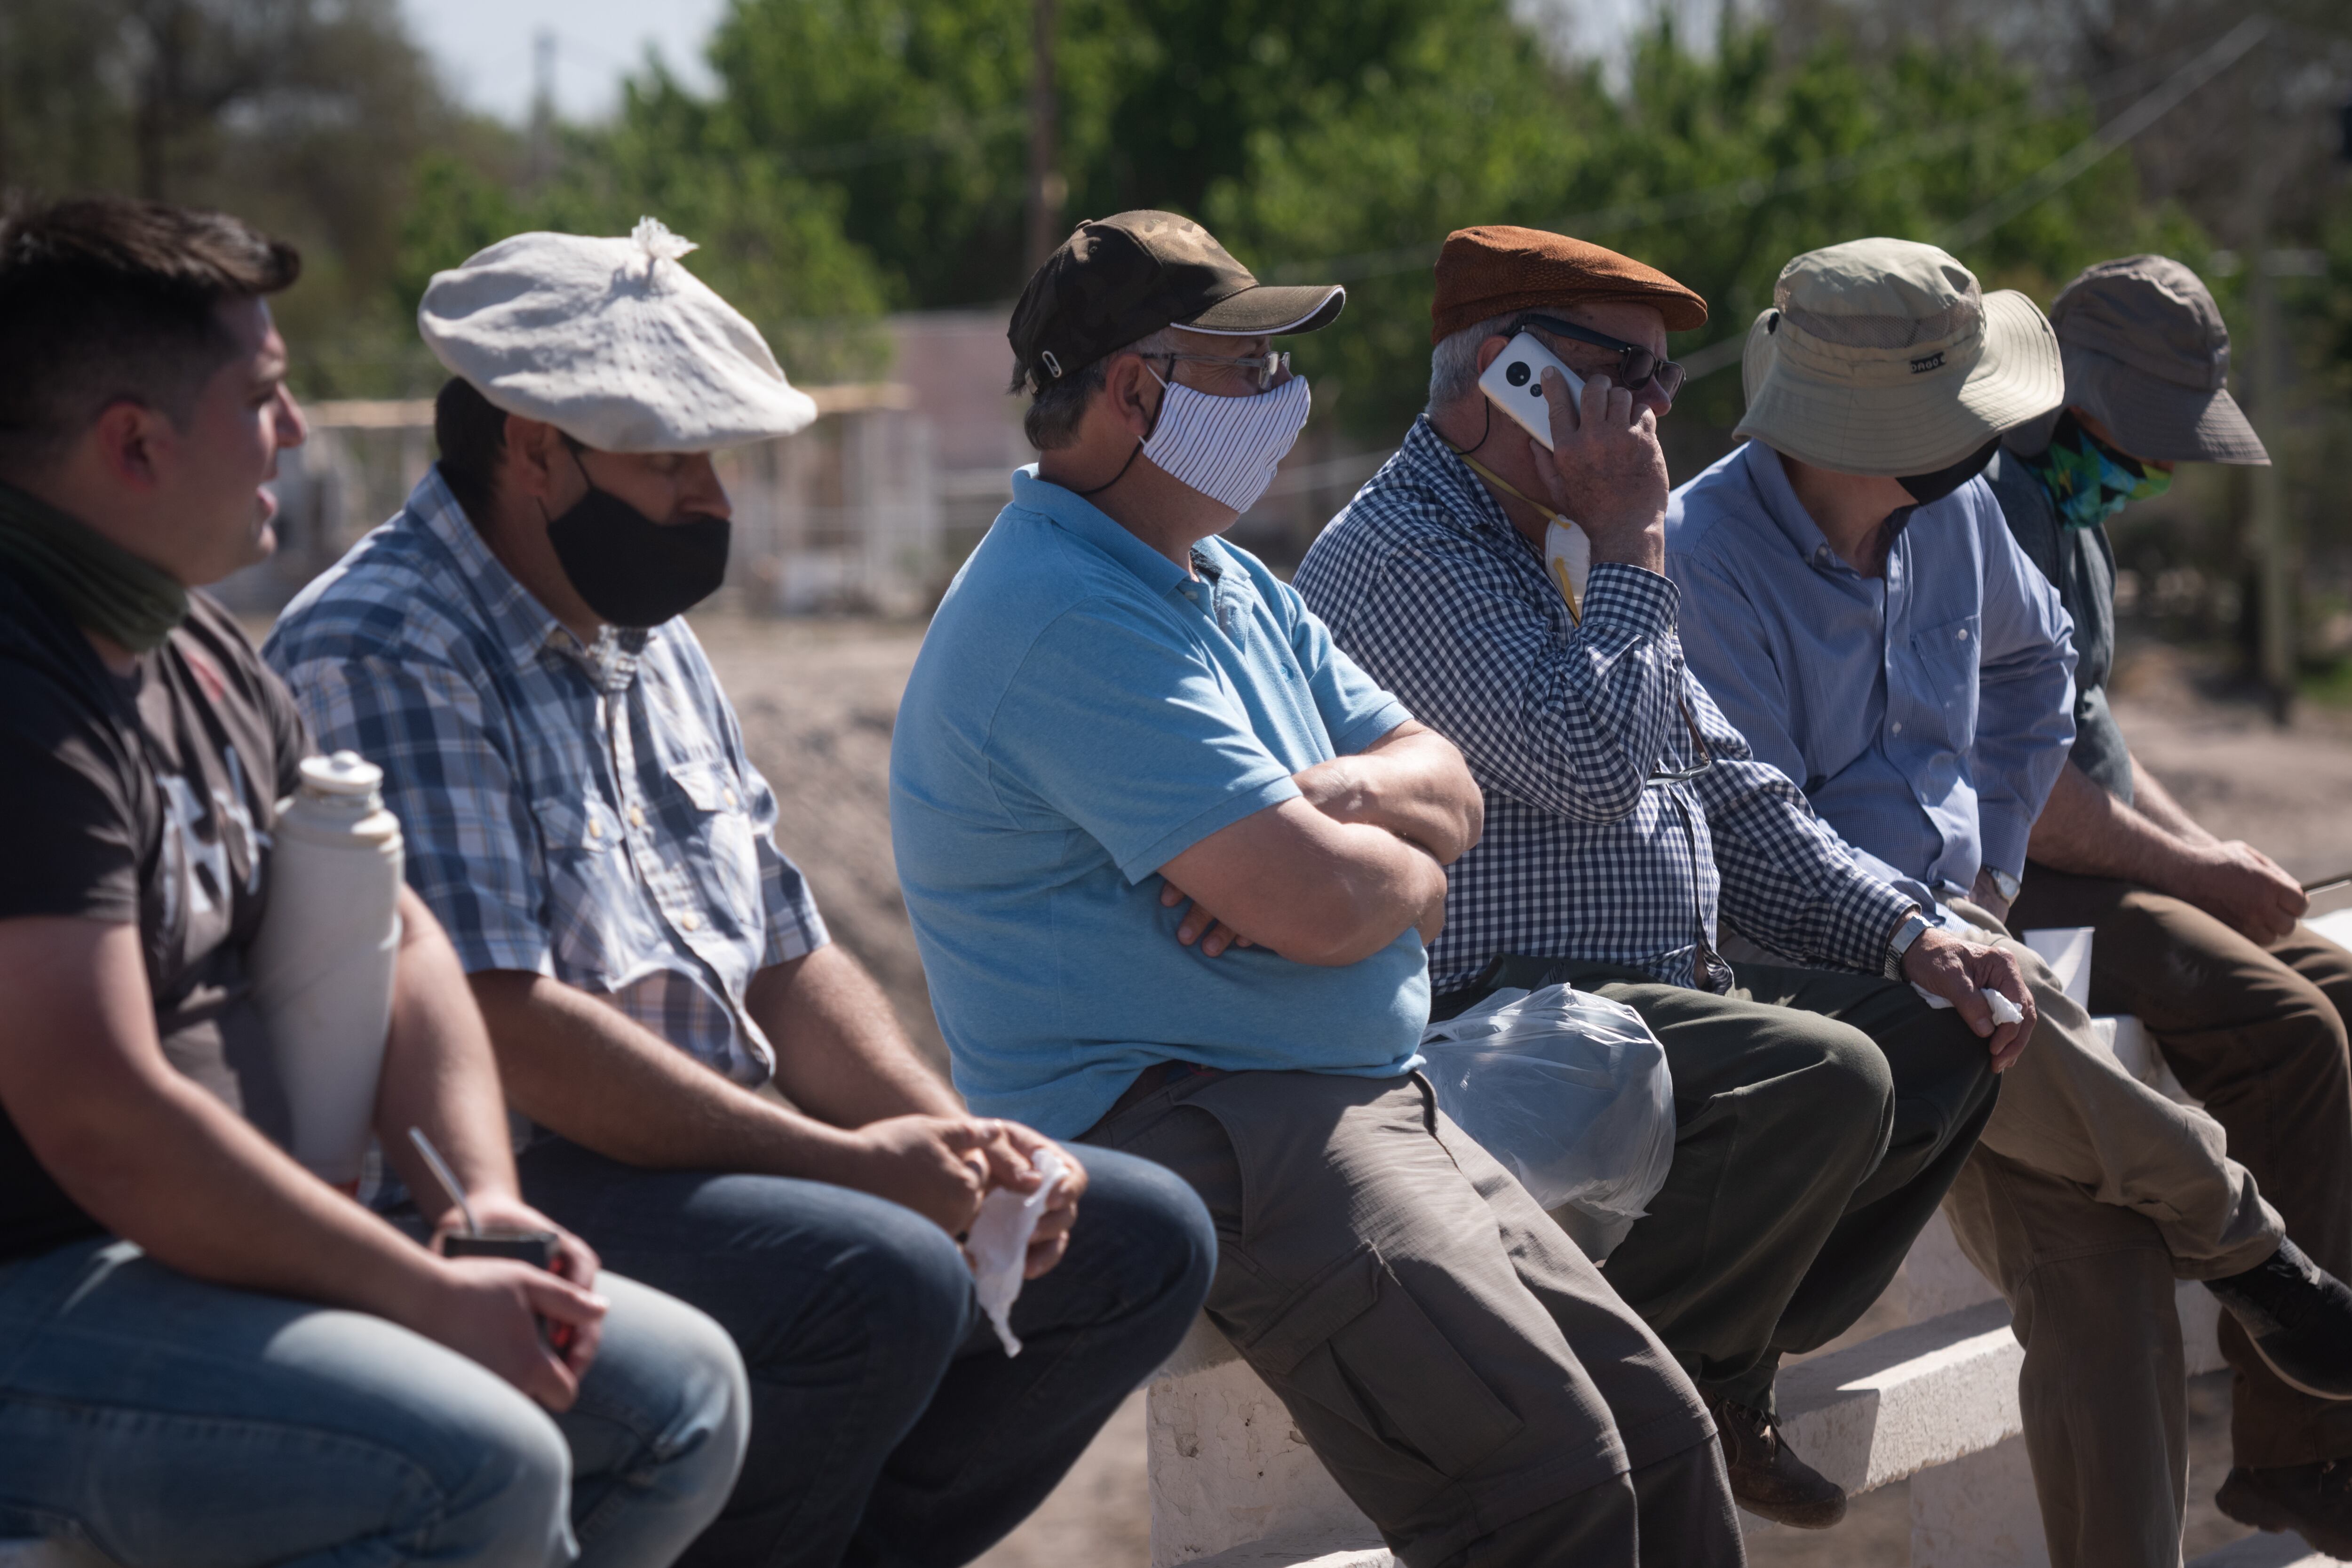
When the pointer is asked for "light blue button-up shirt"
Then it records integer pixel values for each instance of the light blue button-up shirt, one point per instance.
(1925, 713)
(1082, 712)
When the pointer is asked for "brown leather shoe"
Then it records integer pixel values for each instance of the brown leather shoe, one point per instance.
(2313, 1501)
(1768, 1480)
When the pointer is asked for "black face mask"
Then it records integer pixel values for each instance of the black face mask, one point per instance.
(631, 571)
(1929, 489)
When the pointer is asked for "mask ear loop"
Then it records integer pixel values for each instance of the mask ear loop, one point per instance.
(586, 477)
(1148, 434)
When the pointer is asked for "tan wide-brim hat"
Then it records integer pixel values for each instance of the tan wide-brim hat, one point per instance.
(1882, 357)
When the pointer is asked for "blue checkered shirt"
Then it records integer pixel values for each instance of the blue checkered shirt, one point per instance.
(1424, 581)
(586, 813)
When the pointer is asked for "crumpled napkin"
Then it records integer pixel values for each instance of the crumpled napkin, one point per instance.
(2004, 1011)
(998, 1243)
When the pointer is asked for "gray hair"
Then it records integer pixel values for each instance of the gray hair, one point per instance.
(1052, 420)
(1453, 362)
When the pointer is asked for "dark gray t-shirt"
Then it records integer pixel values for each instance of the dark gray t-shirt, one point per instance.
(2081, 564)
(148, 801)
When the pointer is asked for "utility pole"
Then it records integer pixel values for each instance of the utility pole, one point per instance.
(2273, 568)
(542, 106)
(1047, 189)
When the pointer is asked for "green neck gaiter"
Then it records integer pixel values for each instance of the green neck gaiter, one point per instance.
(103, 586)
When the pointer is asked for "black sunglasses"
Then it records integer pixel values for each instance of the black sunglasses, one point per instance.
(1637, 366)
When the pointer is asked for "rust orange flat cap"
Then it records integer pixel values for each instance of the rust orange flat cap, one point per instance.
(1495, 269)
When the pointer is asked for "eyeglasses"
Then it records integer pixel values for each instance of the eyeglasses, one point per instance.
(1262, 368)
(1705, 757)
(1637, 366)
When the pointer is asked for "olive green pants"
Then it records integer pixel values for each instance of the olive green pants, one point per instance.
(1819, 1119)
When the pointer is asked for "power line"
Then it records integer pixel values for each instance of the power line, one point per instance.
(2226, 51)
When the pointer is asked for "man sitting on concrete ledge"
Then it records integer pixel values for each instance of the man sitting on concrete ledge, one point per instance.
(1853, 599)
(2198, 939)
(582, 815)
(211, 1355)
(1172, 860)
(1820, 1116)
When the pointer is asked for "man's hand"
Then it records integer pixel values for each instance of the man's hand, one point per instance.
(1012, 1161)
(1985, 893)
(488, 1308)
(2245, 889)
(1943, 965)
(940, 1166)
(1197, 924)
(1606, 470)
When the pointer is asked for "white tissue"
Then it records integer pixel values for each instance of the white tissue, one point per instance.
(997, 1245)
(2004, 1011)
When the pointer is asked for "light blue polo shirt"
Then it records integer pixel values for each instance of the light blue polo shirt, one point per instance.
(1081, 713)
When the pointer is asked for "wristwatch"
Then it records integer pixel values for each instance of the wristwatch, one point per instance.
(1907, 931)
(2005, 884)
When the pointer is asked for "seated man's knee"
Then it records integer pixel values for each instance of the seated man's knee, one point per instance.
(506, 1499)
(671, 1375)
(900, 1281)
(1850, 1083)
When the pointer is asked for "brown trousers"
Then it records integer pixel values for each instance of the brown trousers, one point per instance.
(1462, 1370)
(2258, 1034)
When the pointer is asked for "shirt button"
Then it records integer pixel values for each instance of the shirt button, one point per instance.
(637, 817)
(595, 828)
(1896, 726)
(690, 921)
(729, 796)
(1963, 634)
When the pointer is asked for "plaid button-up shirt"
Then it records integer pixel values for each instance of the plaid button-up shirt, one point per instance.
(1424, 581)
(586, 813)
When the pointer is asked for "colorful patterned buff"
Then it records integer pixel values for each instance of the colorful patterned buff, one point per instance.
(2088, 481)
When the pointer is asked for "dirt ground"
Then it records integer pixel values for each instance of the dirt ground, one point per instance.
(818, 699)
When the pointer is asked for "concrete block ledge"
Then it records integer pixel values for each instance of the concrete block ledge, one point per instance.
(1302, 1552)
(2263, 1550)
(1906, 1400)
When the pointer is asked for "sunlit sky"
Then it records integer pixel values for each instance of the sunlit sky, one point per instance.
(484, 47)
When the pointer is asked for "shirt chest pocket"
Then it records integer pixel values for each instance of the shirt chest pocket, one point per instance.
(1946, 656)
(709, 812)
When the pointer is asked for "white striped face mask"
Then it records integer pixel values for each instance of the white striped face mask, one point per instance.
(1226, 447)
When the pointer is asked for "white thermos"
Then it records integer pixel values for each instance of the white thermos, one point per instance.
(322, 962)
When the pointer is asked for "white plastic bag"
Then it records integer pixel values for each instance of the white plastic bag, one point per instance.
(1569, 1092)
(997, 1245)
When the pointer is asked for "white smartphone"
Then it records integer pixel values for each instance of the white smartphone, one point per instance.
(1514, 383)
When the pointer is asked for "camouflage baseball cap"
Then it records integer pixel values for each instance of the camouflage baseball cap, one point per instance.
(1117, 279)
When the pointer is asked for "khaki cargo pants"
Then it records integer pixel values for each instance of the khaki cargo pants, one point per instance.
(1464, 1373)
(2088, 1196)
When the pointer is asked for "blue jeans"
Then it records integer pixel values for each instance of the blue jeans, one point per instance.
(888, 1424)
(168, 1423)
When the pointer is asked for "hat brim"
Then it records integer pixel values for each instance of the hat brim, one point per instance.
(1266, 310)
(1889, 431)
(2151, 417)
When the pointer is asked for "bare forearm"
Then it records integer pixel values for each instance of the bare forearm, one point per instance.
(580, 1068)
(438, 1072)
(1412, 782)
(155, 1158)
(840, 1053)
(2155, 801)
(2086, 830)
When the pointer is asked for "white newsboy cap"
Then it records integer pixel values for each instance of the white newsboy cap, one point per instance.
(610, 341)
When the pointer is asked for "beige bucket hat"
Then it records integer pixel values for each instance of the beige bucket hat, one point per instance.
(1882, 357)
